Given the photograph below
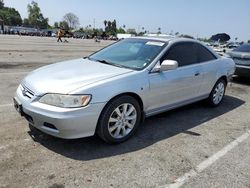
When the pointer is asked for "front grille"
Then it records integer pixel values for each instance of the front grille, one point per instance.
(27, 92)
(240, 61)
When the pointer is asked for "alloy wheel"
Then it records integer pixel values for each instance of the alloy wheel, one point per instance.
(218, 93)
(122, 120)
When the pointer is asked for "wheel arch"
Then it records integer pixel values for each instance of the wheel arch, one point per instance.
(131, 94)
(223, 78)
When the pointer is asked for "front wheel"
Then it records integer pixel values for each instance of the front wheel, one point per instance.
(119, 119)
(217, 93)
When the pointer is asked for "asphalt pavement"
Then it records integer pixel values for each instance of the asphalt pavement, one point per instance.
(193, 146)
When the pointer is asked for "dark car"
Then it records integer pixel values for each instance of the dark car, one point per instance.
(241, 57)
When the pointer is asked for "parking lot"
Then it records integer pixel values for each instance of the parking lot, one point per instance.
(193, 146)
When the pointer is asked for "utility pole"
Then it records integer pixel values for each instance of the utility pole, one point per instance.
(94, 23)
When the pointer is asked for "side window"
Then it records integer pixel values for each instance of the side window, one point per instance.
(204, 54)
(183, 53)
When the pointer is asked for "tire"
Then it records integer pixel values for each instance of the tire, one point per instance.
(115, 126)
(217, 94)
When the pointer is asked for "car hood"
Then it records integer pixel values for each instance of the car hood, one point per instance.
(67, 76)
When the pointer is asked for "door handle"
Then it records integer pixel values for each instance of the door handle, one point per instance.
(197, 74)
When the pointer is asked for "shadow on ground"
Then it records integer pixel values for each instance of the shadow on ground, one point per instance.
(155, 129)
(241, 80)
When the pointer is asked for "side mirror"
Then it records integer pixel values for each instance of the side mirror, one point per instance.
(168, 65)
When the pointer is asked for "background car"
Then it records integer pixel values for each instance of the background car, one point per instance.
(113, 90)
(241, 57)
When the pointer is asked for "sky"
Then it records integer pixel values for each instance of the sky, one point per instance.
(199, 18)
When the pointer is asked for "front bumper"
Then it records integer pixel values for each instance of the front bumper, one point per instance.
(66, 123)
(242, 70)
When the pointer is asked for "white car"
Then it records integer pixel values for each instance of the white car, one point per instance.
(113, 90)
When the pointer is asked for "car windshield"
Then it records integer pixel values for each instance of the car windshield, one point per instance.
(130, 53)
(243, 48)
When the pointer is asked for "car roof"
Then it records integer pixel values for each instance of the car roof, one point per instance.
(166, 39)
(173, 40)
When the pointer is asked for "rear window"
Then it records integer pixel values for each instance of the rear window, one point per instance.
(243, 48)
(204, 54)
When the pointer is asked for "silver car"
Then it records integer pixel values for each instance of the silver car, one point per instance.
(241, 57)
(111, 91)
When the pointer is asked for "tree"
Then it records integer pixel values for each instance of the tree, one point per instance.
(56, 25)
(26, 22)
(159, 31)
(72, 20)
(35, 16)
(110, 27)
(105, 23)
(221, 37)
(64, 25)
(1, 4)
(140, 34)
(120, 30)
(114, 25)
(109, 24)
(10, 16)
(248, 41)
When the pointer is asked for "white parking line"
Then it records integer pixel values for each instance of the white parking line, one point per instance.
(5, 105)
(208, 162)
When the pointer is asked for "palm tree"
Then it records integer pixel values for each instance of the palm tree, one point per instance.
(113, 24)
(159, 30)
(109, 24)
(144, 30)
(105, 23)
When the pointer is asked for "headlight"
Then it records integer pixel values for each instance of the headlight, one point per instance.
(66, 101)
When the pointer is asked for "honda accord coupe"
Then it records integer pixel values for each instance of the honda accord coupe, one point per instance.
(111, 91)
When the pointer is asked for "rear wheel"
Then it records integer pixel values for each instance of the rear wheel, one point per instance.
(217, 93)
(119, 119)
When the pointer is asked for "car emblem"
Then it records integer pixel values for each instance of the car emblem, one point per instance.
(24, 92)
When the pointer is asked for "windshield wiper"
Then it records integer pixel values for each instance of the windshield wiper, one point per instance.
(103, 61)
(108, 63)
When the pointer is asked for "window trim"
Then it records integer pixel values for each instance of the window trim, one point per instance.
(176, 44)
(188, 42)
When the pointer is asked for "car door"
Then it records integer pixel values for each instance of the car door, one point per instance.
(171, 88)
(208, 62)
